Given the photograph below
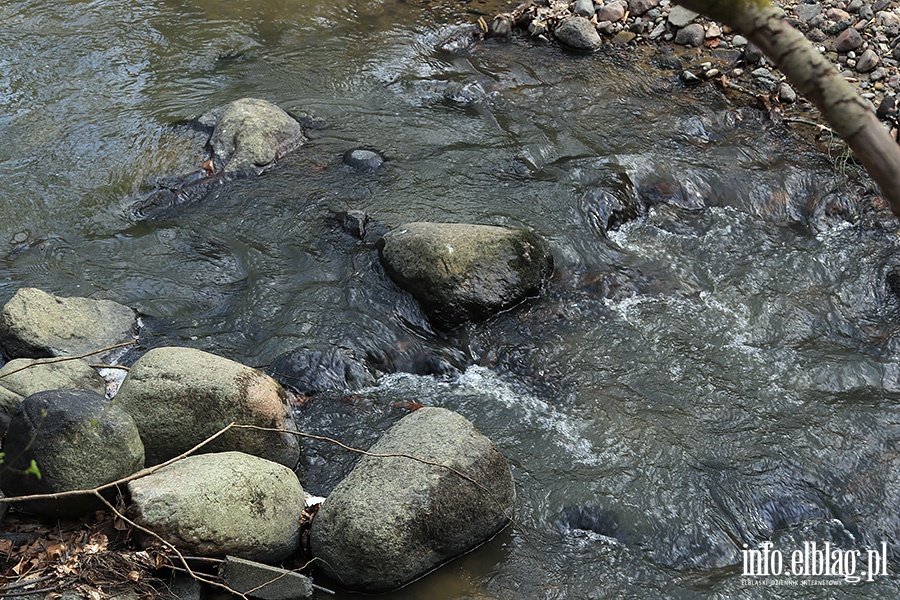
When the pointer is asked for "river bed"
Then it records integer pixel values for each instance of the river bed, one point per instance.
(720, 372)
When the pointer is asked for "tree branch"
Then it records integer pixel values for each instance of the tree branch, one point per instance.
(817, 79)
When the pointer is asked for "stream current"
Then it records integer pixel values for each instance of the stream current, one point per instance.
(719, 372)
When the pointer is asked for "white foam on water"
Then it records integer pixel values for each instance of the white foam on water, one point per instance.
(531, 411)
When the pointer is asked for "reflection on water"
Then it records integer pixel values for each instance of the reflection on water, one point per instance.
(718, 368)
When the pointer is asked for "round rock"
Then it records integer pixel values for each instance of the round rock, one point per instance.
(394, 519)
(77, 439)
(35, 324)
(461, 272)
(250, 134)
(578, 33)
(181, 396)
(226, 503)
(363, 159)
(691, 35)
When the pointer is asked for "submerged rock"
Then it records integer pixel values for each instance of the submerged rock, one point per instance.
(363, 159)
(225, 503)
(394, 519)
(181, 396)
(316, 371)
(35, 324)
(461, 272)
(78, 440)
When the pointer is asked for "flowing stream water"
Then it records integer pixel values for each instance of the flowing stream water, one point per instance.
(723, 371)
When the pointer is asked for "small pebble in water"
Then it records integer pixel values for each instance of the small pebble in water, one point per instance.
(363, 159)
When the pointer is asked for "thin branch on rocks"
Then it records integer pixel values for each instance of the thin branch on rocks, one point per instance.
(118, 482)
(323, 438)
(50, 361)
(169, 545)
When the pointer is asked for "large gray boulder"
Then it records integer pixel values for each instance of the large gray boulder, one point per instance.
(77, 439)
(250, 134)
(461, 272)
(35, 324)
(181, 396)
(394, 519)
(225, 503)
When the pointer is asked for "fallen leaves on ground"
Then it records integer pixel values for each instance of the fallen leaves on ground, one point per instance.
(91, 558)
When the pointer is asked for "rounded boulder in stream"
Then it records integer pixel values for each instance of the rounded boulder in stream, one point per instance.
(247, 137)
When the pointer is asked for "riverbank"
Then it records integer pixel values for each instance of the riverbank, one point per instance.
(862, 38)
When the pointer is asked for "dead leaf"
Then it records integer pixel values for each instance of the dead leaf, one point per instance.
(134, 576)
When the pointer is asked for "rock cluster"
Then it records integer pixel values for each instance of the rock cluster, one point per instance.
(862, 37)
(238, 494)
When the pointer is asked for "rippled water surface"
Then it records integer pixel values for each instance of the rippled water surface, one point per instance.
(721, 371)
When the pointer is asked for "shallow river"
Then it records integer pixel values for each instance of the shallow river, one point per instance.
(722, 371)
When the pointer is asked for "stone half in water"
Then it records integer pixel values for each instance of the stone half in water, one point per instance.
(250, 134)
(247, 137)
(462, 272)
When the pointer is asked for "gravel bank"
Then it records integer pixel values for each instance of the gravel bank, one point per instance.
(860, 36)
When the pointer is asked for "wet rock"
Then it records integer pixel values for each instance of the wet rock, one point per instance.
(587, 518)
(35, 324)
(363, 159)
(460, 41)
(249, 135)
(765, 78)
(354, 222)
(692, 35)
(461, 272)
(690, 78)
(739, 41)
(224, 503)
(848, 39)
(425, 515)
(320, 371)
(886, 108)
(257, 580)
(181, 396)
(465, 94)
(18, 377)
(77, 439)
(867, 61)
(680, 16)
(578, 33)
